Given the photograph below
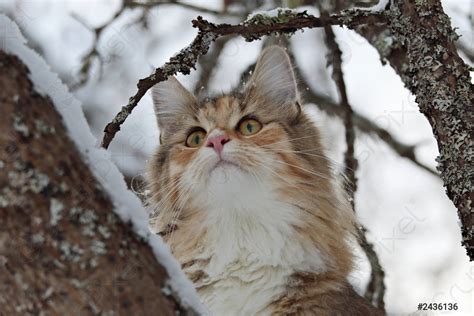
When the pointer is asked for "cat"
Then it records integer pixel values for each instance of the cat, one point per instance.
(247, 200)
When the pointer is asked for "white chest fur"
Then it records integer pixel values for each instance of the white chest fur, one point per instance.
(252, 245)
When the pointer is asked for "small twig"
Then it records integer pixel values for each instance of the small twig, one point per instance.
(209, 32)
(335, 59)
(363, 124)
(153, 3)
(376, 289)
(93, 52)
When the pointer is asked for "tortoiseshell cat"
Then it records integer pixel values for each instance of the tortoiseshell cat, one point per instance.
(247, 200)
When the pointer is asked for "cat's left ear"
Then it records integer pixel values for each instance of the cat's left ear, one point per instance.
(171, 102)
(273, 82)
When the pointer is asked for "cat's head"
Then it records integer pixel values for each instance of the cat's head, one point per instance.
(238, 149)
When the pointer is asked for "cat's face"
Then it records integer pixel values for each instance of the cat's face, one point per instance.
(225, 145)
(219, 152)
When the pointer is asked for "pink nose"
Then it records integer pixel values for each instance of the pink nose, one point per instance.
(218, 142)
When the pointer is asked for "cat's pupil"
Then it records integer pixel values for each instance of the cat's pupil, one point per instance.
(249, 127)
(197, 139)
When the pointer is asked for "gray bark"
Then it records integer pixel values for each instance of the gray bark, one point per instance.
(419, 43)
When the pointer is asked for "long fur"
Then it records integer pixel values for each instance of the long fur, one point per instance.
(268, 231)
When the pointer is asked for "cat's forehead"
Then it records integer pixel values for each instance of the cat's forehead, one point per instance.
(220, 111)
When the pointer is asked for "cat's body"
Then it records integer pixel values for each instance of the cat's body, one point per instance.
(247, 200)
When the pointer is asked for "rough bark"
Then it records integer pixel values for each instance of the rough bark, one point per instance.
(419, 43)
(63, 251)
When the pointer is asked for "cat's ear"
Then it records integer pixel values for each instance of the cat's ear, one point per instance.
(171, 100)
(273, 79)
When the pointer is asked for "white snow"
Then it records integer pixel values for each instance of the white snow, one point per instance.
(126, 204)
(380, 6)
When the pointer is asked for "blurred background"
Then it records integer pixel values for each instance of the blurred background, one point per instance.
(101, 48)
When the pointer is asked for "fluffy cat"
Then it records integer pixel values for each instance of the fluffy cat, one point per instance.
(247, 200)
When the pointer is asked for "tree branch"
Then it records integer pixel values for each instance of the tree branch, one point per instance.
(287, 22)
(335, 59)
(183, 62)
(154, 3)
(375, 291)
(87, 59)
(376, 288)
(362, 123)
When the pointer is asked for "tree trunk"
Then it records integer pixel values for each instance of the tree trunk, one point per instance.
(63, 250)
(419, 43)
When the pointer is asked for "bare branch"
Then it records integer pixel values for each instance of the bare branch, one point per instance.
(183, 62)
(363, 124)
(335, 59)
(93, 53)
(376, 288)
(154, 3)
(287, 22)
(375, 291)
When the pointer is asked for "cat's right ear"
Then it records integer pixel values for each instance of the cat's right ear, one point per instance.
(171, 101)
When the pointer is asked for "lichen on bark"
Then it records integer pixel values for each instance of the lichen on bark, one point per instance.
(422, 51)
(63, 249)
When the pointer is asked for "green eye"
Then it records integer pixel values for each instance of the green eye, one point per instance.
(249, 127)
(196, 138)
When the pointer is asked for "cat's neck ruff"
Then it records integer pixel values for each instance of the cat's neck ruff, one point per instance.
(248, 220)
(251, 240)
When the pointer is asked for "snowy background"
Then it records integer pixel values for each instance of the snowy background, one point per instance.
(412, 223)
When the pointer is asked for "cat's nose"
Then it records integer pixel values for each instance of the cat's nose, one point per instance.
(217, 142)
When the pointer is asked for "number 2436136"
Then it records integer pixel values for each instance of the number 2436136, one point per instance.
(438, 306)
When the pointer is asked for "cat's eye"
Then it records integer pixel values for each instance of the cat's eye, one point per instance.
(249, 126)
(196, 138)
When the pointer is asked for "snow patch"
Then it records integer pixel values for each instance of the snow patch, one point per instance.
(127, 205)
(380, 6)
